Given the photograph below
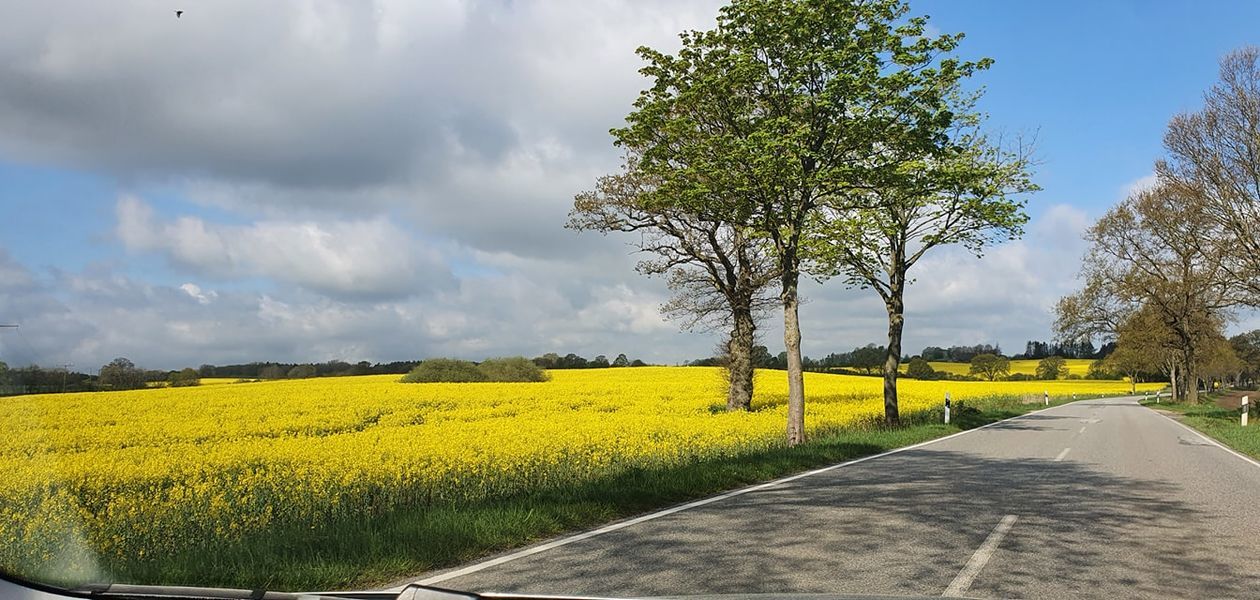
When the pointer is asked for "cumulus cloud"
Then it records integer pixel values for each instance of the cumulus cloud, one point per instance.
(370, 259)
(389, 179)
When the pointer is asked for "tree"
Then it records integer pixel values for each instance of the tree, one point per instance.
(621, 361)
(185, 378)
(444, 370)
(960, 192)
(122, 374)
(782, 118)
(550, 360)
(301, 372)
(720, 274)
(1052, 367)
(920, 369)
(272, 372)
(990, 366)
(599, 362)
(1154, 251)
(1214, 154)
(868, 358)
(1247, 349)
(205, 371)
(512, 368)
(1143, 345)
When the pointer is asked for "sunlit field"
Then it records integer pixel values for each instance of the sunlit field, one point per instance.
(99, 477)
(1076, 366)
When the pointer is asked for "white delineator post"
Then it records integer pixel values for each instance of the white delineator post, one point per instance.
(1047, 397)
(947, 408)
(1244, 411)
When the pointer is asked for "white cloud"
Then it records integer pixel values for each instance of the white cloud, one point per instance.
(396, 175)
(1144, 182)
(194, 291)
(354, 259)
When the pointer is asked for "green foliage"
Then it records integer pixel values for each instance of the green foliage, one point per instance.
(444, 370)
(272, 372)
(185, 378)
(449, 370)
(990, 366)
(122, 374)
(301, 372)
(513, 368)
(920, 369)
(621, 361)
(1052, 367)
(1101, 370)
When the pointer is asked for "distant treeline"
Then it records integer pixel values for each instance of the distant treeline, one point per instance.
(868, 359)
(122, 374)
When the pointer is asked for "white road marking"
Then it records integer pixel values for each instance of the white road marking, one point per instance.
(962, 582)
(1082, 430)
(690, 505)
(1208, 439)
(1062, 454)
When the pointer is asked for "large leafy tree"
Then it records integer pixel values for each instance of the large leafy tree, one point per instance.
(719, 273)
(962, 191)
(784, 117)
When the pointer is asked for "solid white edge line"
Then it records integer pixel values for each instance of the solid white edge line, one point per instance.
(1209, 440)
(1062, 454)
(698, 503)
(962, 582)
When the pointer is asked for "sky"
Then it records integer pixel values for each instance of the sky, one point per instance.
(308, 180)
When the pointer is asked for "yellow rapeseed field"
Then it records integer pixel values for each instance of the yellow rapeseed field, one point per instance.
(165, 470)
(1076, 366)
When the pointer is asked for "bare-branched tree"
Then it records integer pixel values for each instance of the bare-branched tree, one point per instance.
(1154, 251)
(1215, 153)
(721, 275)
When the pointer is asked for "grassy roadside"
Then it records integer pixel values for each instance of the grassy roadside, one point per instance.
(369, 553)
(1220, 424)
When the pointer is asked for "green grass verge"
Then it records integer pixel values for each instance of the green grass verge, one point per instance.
(371, 552)
(1217, 423)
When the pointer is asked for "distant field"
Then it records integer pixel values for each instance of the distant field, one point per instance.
(1076, 366)
(101, 483)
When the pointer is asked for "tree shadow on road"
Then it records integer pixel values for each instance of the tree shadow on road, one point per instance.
(909, 523)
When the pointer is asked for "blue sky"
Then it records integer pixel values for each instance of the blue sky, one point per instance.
(388, 180)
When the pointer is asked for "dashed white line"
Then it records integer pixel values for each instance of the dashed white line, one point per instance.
(1082, 430)
(473, 568)
(1062, 454)
(962, 582)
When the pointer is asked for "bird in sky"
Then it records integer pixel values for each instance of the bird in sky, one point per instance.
(179, 13)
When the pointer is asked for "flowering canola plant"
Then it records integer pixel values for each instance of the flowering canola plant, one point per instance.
(149, 472)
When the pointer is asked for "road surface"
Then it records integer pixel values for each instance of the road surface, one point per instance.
(1095, 499)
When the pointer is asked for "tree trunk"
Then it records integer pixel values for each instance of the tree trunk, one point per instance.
(892, 357)
(1172, 380)
(1191, 379)
(739, 361)
(792, 343)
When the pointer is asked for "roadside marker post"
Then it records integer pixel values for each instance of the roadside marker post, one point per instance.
(1047, 397)
(1244, 411)
(947, 408)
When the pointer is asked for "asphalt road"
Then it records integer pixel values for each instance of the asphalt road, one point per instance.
(1095, 499)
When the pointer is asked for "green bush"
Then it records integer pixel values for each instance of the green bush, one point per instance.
(185, 378)
(512, 368)
(920, 369)
(450, 370)
(444, 370)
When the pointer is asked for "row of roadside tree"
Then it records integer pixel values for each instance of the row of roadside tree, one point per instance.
(1172, 264)
(824, 139)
